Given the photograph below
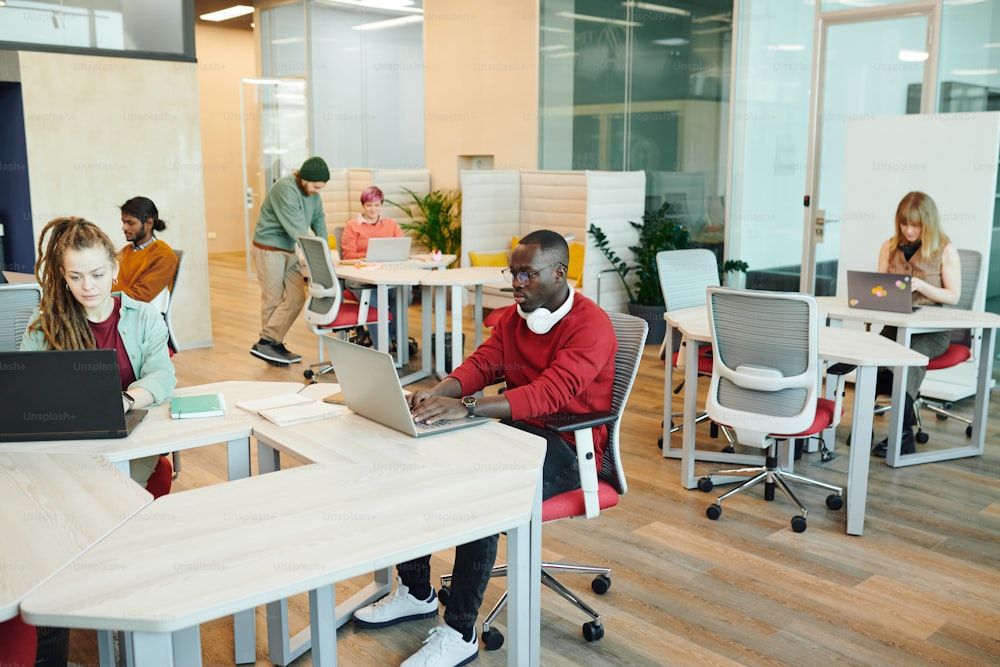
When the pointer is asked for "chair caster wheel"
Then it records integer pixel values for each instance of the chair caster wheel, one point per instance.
(798, 524)
(492, 639)
(601, 584)
(942, 418)
(834, 502)
(713, 512)
(968, 431)
(705, 484)
(308, 374)
(659, 442)
(728, 449)
(444, 594)
(921, 437)
(592, 631)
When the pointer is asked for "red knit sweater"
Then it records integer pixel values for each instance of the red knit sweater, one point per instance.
(145, 273)
(569, 370)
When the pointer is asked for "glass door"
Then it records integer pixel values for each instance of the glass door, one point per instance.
(275, 125)
(869, 62)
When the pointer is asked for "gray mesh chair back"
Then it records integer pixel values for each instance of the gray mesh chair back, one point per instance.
(17, 303)
(325, 293)
(631, 334)
(972, 261)
(765, 376)
(685, 275)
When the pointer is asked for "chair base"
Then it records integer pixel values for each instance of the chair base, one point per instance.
(592, 630)
(773, 477)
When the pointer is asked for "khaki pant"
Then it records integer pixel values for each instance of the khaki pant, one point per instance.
(282, 291)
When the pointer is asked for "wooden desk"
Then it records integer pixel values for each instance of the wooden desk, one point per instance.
(260, 539)
(865, 350)
(54, 507)
(926, 319)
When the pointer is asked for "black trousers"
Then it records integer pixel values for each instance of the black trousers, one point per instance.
(474, 561)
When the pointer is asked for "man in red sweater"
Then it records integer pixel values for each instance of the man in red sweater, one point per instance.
(556, 352)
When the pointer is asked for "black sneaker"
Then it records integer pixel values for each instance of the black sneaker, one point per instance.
(269, 351)
(906, 445)
(291, 357)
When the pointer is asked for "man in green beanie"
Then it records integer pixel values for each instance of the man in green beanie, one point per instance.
(292, 207)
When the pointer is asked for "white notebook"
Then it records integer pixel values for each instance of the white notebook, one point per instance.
(279, 401)
(301, 413)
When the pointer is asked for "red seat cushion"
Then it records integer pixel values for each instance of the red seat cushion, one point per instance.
(159, 482)
(704, 360)
(347, 316)
(822, 420)
(953, 356)
(18, 643)
(571, 503)
(493, 318)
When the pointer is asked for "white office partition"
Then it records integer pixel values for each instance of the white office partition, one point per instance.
(614, 198)
(394, 183)
(336, 199)
(491, 211)
(953, 158)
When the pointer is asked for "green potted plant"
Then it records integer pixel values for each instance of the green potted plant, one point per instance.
(435, 219)
(658, 231)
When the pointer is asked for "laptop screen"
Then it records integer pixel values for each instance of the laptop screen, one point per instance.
(888, 292)
(60, 395)
(396, 249)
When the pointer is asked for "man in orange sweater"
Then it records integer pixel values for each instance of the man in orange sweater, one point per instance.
(147, 265)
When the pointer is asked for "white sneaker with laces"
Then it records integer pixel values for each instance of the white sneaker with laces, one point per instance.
(396, 607)
(444, 647)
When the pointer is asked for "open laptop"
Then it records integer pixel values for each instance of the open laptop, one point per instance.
(371, 388)
(890, 292)
(62, 395)
(396, 249)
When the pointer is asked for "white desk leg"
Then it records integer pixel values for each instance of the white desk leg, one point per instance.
(426, 313)
(690, 415)
(163, 649)
(456, 326)
(898, 402)
(244, 622)
(478, 314)
(860, 456)
(439, 327)
(382, 294)
(402, 325)
(668, 390)
(986, 351)
(322, 602)
(524, 576)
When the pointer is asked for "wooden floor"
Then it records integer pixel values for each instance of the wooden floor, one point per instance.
(922, 586)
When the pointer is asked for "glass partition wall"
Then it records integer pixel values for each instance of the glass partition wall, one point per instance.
(641, 85)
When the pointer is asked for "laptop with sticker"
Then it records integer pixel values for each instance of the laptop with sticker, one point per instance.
(371, 388)
(62, 395)
(888, 292)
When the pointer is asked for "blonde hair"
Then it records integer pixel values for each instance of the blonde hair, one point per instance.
(917, 208)
(61, 319)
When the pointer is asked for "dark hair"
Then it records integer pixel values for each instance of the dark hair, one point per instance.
(144, 209)
(61, 318)
(552, 244)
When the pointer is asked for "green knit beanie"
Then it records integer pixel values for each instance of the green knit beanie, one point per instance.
(314, 170)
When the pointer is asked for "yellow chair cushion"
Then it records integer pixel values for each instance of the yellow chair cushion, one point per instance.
(575, 269)
(514, 240)
(332, 242)
(488, 258)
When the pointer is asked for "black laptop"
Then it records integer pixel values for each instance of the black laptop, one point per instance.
(62, 395)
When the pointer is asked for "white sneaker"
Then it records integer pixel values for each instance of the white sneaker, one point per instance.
(444, 647)
(396, 607)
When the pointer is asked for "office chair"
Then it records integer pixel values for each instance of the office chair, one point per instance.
(327, 311)
(765, 385)
(600, 489)
(684, 277)
(959, 351)
(17, 303)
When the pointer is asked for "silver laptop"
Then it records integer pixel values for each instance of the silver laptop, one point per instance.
(889, 292)
(62, 395)
(396, 249)
(371, 388)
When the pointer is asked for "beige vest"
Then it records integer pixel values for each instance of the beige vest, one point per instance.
(925, 269)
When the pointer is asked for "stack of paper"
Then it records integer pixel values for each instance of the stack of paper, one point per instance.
(298, 414)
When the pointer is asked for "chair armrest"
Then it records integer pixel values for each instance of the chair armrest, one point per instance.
(576, 422)
(583, 428)
(840, 369)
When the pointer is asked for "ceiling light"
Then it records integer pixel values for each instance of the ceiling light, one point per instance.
(671, 41)
(388, 5)
(598, 19)
(389, 23)
(974, 72)
(910, 56)
(227, 13)
(785, 47)
(650, 7)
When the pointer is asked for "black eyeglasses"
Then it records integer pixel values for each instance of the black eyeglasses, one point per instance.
(523, 278)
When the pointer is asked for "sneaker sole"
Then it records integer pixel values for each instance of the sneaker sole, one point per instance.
(273, 360)
(372, 625)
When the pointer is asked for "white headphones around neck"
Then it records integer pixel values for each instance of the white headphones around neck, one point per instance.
(541, 320)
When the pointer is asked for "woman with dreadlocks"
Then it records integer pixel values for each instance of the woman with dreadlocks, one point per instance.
(79, 311)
